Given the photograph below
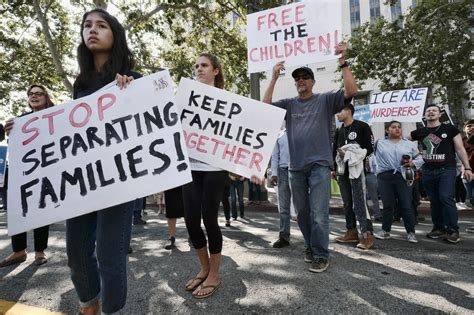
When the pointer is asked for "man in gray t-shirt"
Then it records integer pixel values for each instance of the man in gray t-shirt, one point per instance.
(309, 120)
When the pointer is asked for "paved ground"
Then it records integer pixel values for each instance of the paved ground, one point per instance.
(396, 277)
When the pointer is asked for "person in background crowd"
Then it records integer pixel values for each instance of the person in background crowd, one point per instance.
(202, 198)
(397, 159)
(3, 194)
(97, 243)
(460, 190)
(237, 192)
(353, 142)
(174, 210)
(226, 203)
(279, 177)
(255, 193)
(140, 205)
(468, 141)
(309, 121)
(38, 99)
(441, 143)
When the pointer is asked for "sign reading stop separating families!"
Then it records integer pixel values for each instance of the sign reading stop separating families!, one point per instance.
(95, 152)
(227, 130)
(300, 33)
(400, 105)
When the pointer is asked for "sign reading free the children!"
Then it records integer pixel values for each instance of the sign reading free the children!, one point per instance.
(300, 33)
(98, 151)
(226, 130)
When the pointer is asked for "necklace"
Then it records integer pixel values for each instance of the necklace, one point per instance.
(347, 133)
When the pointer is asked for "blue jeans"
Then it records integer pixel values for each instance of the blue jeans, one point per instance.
(237, 192)
(355, 207)
(137, 209)
(371, 184)
(97, 245)
(439, 186)
(394, 190)
(284, 203)
(311, 189)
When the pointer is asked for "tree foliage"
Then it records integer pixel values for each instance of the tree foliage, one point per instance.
(39, 40)
(430, 46)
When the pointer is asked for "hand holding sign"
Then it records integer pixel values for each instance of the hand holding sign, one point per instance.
(123, 80)
(277, 69)
(341, 50)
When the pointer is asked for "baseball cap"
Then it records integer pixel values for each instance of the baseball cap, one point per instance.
(303, 69)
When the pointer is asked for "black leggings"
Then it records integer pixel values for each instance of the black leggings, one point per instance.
(41, 240)
(202, 198)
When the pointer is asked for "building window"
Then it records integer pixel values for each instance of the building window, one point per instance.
(374, 10)
(355, 15)
(396, 10)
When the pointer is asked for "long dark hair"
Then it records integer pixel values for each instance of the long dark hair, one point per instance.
(49, 102)
(219, 79)
(120, 57)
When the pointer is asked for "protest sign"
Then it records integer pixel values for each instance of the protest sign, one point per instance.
(227, 130)
(104, 149)
(3, 164)
(300, 33)
(361, 112)
(400, 105)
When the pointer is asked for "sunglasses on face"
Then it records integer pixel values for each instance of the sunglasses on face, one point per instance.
(304, 77)
(31, 94)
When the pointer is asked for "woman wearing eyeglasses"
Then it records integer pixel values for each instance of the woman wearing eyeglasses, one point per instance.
(38, 99)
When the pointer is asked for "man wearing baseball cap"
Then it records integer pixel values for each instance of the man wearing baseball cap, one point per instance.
(309, 122)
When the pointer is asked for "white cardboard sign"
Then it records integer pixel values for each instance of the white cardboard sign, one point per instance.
(104, 149)
(401, 105)
(299, 33)
(227, 130)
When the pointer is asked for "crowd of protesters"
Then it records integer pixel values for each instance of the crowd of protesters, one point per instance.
(305, 159)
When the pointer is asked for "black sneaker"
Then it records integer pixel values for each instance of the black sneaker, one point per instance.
(308, 255)
(453, 237)
(139, 221)
(319, 265)
(170, 244)
(227, 223)
(281, 243)
(435, 234)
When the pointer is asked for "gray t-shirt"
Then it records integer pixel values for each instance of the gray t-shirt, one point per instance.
(309, 125)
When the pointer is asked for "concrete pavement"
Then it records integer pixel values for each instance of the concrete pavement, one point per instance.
(395, 277)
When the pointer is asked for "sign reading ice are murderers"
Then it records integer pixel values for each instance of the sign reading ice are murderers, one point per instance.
(227, 130)
(400, 105)
(300, 33)
(95, 152)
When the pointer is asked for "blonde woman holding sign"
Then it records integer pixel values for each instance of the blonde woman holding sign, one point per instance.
(38, 99)
(202, 198)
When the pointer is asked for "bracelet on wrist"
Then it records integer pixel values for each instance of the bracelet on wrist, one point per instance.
(468, 169)
(344, 65)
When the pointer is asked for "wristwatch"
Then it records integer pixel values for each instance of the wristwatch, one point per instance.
(345, 64)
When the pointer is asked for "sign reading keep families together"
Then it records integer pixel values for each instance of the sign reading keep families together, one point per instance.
(228, 130)
(300, 33)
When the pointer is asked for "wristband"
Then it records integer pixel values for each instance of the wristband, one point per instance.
(345, 64)
(468, 169)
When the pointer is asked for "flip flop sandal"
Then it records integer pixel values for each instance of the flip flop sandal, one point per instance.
(208, 294)
(200, 280)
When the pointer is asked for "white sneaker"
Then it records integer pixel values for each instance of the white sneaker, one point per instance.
(382, 235)
(411, 237)
(462, 206)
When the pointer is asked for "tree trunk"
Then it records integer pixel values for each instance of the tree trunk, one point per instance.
(52, 48)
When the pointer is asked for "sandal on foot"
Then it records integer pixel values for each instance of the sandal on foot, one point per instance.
(199, 280)
(208, 294)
